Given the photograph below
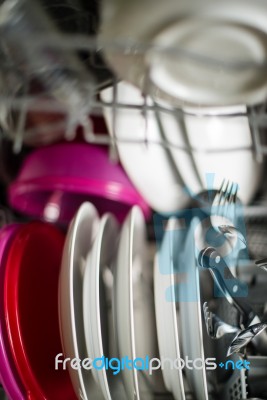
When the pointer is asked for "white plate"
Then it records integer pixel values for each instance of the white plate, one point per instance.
(149, 166)
(166, 317)
(101, 256)
(182, 81)
(133, 305)
(190, 311)
(80, 237)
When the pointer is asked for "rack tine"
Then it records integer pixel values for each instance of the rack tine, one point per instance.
(113, 151)
(88, 129)
(21, 123)
(145, 105)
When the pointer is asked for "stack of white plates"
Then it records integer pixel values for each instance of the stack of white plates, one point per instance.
(176, 282)
(94, 249)
(144, 323)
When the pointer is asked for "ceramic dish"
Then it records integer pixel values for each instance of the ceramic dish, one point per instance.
(219, 139)
(222, 148)
(206, 41)
(219, 37)
(190, 312)
(148, 164)
(166, 312)
(54, 181)
(30, 299)
(81, 235)
(175, 134)
(8, 374)
(100, 257)
(133, 305)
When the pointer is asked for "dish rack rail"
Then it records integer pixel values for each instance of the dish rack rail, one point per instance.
(17, 99)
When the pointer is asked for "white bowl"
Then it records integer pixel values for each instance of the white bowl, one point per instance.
(149, 165)
(218, 142)
(222, 149)
(204, 52)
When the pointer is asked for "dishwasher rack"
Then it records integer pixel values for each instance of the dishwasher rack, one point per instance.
(20, 106)
(17, 99)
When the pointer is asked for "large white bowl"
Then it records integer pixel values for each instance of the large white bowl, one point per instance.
(205, 147)
(149, 165)
(222, 149)
(204, 52)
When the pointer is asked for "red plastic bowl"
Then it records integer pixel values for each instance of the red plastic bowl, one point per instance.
(67, 174)
(31, 311)
(8, 373)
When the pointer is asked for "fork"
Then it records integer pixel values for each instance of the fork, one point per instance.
(216, 327)
(223, 205)
(223, 212)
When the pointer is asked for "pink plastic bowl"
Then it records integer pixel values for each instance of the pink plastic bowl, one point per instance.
(55, 180)
(8, 372)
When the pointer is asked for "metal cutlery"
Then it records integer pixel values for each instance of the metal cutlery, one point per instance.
(234, 291)
(262, 264)
(216, 328)
(230, 287)
(223, 212)
(223, 205)
(230, 232)
(244, 337)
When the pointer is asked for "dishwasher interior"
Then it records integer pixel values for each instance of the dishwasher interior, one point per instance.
(133, 200)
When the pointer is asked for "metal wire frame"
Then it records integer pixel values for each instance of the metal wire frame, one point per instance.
(21, 105)
(25, 102)
(129, 46)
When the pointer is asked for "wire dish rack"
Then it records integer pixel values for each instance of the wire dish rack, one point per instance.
(46, 76)
(16, 107)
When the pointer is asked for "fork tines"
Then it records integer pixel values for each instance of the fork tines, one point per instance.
(225, 197)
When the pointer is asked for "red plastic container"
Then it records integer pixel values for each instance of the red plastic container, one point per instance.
(31, 311)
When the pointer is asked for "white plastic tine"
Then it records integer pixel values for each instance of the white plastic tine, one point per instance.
(113, 152)
(145, 105)
(21, 124)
